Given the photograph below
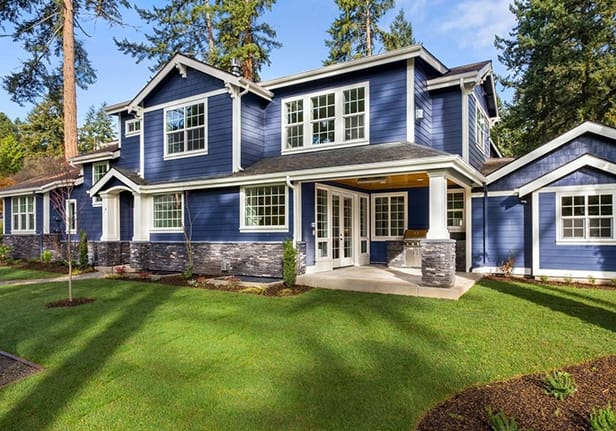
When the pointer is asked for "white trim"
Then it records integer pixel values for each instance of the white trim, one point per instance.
(485, 117)
(465, 123)
(114, 173)
(473, 78)
(253, 229)
(373, 196)
(107, 167)
(131, 121)
(96, 157)
(451, 191)
(496, 194)
(178, 229)
(587, 127)
(355, 65)
(590, 188)
(185, 152)
(190, 100)
(142, 145)
(410, 100)
(339, 129)
(46, 211)
(579, 274)
(587, 240)
(468, 209)
(572, 166)
(517, 270)
(23, 231)
(236, 131)
(297, 212)
(67, 222)
(536, 232)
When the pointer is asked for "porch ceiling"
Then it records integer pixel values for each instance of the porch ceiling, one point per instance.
(391, 182)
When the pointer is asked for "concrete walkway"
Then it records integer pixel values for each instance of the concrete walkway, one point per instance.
(86, 276)
(382, 279)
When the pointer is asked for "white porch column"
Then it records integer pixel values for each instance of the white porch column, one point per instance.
(111, 217)
(438, 206)
(141, 217)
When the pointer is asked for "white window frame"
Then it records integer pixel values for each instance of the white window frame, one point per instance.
(20, 229)
(461, 228)
(153, 215)
(97, 201)
(274, 228)
(185, 153)
(481, 116)
(373, 198)
(70, 223)
(587, 240)
(135, 123)
(339, 118)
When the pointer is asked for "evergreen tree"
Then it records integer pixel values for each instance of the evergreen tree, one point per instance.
(355, 32)
(7, 127)
(97, 129)
(43, 130)
(11, 155)
(45, 28)
(400, 33)
(561, 58)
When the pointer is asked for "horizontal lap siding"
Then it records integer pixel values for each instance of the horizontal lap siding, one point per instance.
(507, 232)
(447, 121)
(216, 162)
(126, 216)
(387, 104)
(7, 215)
(423, 127)
(129, 158)
(586, 176)
(174, 87)
(89, 217)
(586, 144)
(253, 123)
(568, 257)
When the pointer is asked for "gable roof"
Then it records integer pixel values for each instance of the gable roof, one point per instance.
(129, 178)
(587, 127)
(44, 183)
(180, 62)
(110, 151)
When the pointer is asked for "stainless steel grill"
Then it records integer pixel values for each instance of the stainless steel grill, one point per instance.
(412, 247)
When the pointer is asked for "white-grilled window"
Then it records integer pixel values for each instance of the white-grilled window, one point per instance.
(98, 171)
(132, 127)
(168, 210)
(455, 210)
(185, 130)
(22, 208)
(389, 215)
(264, 208)
(482, 130)
(587, 217)
(319, 120)
(71, 216)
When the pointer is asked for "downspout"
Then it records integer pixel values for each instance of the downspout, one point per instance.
(295, 209)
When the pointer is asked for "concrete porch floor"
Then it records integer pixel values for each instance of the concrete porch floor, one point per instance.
(388, 280)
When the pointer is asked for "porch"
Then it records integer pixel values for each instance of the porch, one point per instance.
(387, 280)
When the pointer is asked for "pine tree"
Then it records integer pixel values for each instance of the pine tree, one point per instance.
(43, 130)
(11, 155)
(561, 58)
(356, 30)
(400, 33)
(97, 129)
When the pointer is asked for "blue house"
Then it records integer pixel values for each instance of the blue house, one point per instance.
(347, 161)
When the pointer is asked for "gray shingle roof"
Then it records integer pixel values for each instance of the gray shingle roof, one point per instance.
(492, 165)
(40, 181)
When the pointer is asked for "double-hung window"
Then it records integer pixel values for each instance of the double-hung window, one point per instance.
(22, 208)
(71, 216)
(586, 217)
(455, 210)
(389, 215)
(168, 211)
(132, 127)
(185, 130)
(318, 120)
(98, 171)
(264, 208)
(481, 127)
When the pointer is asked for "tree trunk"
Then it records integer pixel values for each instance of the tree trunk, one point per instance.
(368, 30)
(68, 71)
(70, 268)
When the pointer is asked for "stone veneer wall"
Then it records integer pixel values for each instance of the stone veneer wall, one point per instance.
(31, 246)
(461, 255)
(438, 267)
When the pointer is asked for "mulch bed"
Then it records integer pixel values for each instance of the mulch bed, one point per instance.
(66, 303)
(524, 399)
(13, 368)
(556, 283)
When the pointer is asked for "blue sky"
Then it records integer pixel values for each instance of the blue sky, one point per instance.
(457, 32)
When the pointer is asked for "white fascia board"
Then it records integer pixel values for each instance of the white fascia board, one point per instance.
(41, 189)
(113, 173)
(116, 108)
(572, 166)
(451, 80)
(587, 127)
(497, 194)
(98, 157)
(355, 65)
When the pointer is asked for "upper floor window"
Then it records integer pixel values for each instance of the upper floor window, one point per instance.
(389, 215)
(22, 208)
(482, 130)
(329, 118)
(587, 217)
(185, 130)
(132, 127)
(264, 208)
(168, 211)
(455, 210)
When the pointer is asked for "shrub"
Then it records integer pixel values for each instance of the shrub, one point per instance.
(4, 252)
(591, 279)
(144, 275)
(83, 249)
(289, 263)
(501, 422)
(603, 419)
(507, 266)
(559, 384)
(46, 256)
(543, 278)
(121, 270)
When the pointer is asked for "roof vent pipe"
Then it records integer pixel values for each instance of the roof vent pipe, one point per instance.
(235, 67)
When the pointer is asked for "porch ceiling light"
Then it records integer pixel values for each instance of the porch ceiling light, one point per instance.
(372, 180)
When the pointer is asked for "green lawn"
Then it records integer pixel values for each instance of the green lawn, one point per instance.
(8, 273)
(149, 357)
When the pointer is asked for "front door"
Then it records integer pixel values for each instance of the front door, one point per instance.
(342, 229)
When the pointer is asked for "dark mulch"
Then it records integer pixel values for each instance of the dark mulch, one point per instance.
(56, 267)
(12, 369)
(66, 303)
(525, 399)
(557, 283)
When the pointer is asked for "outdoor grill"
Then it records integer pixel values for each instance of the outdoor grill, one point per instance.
(412, 247)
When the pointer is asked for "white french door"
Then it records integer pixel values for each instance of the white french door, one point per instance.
(342, 229)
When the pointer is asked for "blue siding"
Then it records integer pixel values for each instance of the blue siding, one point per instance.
(477, 155)
(507, 229)
(447, 121)
(378, 251)
(592, 144)
(586, 176)
(174, 87)
(126, 216)
(7, 215)
(253, 121)
(480, 94)
(423, 128)
(387, 104)
(568, 257)
(129, 158)
(216, 162)
(308, 210)
(39, 213)
(89, 218)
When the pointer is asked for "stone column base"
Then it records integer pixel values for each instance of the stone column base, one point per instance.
(438, 262)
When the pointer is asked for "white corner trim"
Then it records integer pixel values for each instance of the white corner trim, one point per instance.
(46, 211)
(587, 127)
(410, 100)
(535, 231)
(236, 130)
(572, 166)
(468, 220)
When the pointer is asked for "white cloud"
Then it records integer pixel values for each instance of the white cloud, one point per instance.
(473, 23)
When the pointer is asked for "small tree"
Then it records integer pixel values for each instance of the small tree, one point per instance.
(83, 249)
(187, 231)
(289, 263)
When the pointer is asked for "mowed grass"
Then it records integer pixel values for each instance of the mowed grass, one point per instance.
(150, 357)
(9, 273)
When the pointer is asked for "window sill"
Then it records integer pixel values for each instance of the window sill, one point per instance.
(130, 135)
(185, 154)
(319, 147)
(386, 238)
(608, 242)
(167, 230)
(264, 229)
(23, 232)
